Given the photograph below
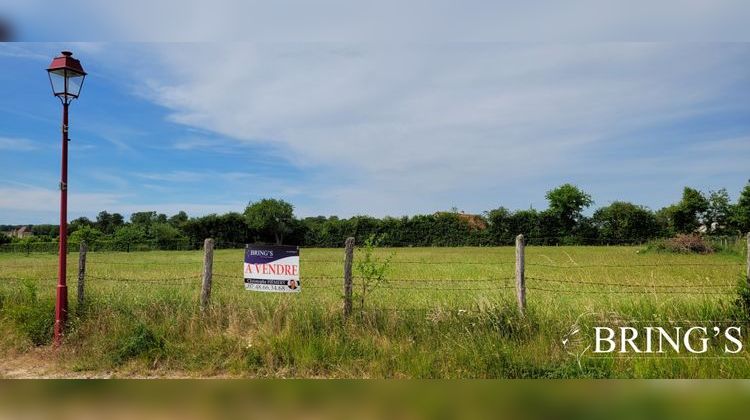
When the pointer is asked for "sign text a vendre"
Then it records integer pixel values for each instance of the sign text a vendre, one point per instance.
(272, 269)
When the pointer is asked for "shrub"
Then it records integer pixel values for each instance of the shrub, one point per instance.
(142, 341)
(34, 317)
(742, 302)
(684, 244)
(371, 269)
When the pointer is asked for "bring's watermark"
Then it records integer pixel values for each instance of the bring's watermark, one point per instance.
(608, 335)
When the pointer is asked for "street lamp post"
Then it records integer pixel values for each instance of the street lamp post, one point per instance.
(66, 77)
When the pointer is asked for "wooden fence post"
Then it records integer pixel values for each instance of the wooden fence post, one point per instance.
(520, 275)
(208, 265)
(348, 261)
(81, 274)
(747, 263)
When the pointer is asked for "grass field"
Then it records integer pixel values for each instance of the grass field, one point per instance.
(444, 312)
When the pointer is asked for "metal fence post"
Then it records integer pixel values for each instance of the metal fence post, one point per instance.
(81, 274)
(747, 263)
(208, 264)
(520, 275)
(348, 260)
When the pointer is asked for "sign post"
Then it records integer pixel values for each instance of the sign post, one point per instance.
(272, 269)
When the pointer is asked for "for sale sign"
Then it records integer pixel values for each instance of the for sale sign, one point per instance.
(272, 268)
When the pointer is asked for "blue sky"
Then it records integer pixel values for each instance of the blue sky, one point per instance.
(372, 128)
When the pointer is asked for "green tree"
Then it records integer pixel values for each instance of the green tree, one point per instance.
(625, 222)
(167, 236)
(690, 212)
(143, 218)
(741, 211)
(500, 225)
(179, 219)
(567, 202)
(109, 223)
(117, 221)
(78, 223)
(227, 229)
(270, 217)
(86, 234)
(48, 231)
(129, 235)
(719, 212)
(550, 229)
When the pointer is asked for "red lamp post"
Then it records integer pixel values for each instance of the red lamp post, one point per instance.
(66, 77)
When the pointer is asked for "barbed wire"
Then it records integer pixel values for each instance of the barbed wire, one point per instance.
(239, 275)
(304, 285)
(636, 265)
(437, 288)
(142, 262)
(186, 279)
(14, 279)
(32, 265)
(381, 310)
(401, 280)
(728, 292)
(595, 283)
(417, 262)
(170, 263)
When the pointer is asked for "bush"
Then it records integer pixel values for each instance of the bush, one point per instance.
(684, 244)
(34, 317)
(742, 302)
(142, 341)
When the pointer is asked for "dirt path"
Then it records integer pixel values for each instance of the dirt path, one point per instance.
(40, 363)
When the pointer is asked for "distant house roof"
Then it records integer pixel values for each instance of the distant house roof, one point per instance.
(474, 221)
(21, 232)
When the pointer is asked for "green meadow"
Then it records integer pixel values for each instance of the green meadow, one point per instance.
(438, 313)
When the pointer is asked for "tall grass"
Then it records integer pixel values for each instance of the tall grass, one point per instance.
(443, 313)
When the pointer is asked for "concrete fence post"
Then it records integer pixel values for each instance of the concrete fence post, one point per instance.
(81, 274)
(520, 275)
(348, 261)
(208, 265)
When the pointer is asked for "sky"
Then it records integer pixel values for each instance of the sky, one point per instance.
(376, 126)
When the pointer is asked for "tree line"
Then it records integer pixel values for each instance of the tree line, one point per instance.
(563, 222)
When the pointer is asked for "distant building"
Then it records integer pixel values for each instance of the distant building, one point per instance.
(713, 228)
(474, 221)
(21, 232)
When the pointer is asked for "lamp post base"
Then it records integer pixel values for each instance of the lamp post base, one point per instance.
(61, 313)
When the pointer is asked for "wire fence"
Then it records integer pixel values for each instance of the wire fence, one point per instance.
(443, 278)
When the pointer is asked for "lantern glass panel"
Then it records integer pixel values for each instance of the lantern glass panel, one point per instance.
(57, 78)
(75, 81)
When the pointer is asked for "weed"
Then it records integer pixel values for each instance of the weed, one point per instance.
(33, 316)
(142, 341)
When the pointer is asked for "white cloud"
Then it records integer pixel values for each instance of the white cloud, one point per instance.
(194, 143)
(38, 199)
(414, 123)
(121, 183)
(196, 176)
(389, 20)
(229, 183)
(40, 205)
(17, 144)
(383, 128)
